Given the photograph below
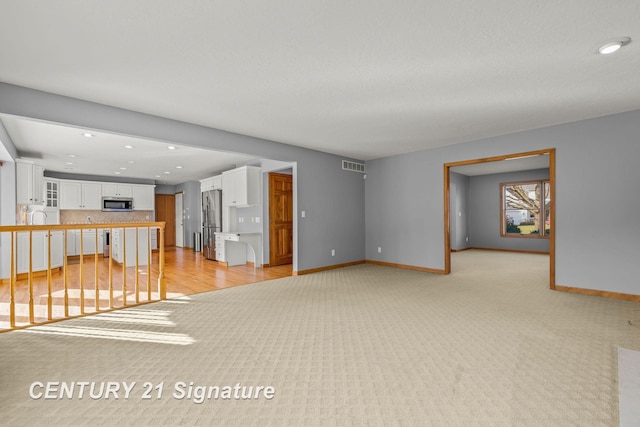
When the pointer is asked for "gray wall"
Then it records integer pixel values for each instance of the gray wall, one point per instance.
(165, 189)
(191, 206)
(596, 183)
(459, 211)
(191, 210)
(333, 198)
(484, 212)
(8, 150)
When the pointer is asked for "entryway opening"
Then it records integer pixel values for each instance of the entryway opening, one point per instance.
(514, 188)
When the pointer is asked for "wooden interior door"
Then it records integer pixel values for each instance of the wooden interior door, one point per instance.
(280, 219)
(166, 211)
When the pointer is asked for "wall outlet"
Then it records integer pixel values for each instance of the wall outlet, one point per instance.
(466, 239)
(253, 220)
(333, 252)
(258, 219)
(303, 214)
(379, 250)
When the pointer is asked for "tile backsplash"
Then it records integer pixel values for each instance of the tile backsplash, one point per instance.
(82, 216)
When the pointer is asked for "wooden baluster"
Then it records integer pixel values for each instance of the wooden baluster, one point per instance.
(124, 266)
(111, 268)
(81, 273)
(149, 254)
(30, 276)
(66, 275)
(97, 297)
(137, 285)
(162, 288)
(49, 278)
(12, 279)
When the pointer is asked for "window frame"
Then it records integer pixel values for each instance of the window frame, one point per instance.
(542, 233)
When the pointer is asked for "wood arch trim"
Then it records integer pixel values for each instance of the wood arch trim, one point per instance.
(552, 183)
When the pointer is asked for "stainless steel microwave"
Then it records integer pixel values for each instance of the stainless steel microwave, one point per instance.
(117, 204)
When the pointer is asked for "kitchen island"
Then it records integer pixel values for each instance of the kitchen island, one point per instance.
(123, 245)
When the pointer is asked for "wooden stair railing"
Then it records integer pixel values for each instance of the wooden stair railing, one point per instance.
(20, 274)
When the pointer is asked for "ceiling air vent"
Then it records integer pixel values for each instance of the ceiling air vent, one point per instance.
(353, 166)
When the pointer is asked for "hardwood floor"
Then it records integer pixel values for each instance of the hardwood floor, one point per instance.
(190, 273)
(186, 273)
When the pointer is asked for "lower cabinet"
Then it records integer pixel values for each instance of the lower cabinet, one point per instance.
(88, 241)
(220, 252)
(39, 250)
(123, 246)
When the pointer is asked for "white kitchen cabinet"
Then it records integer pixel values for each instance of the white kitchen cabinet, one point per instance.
(57, 248)
(154, 239)
(80, 195)
(72, 249)
(117, 190)
(35, 251)
(220, 252)
(238, 248)
(217, 182)
(29, 183)
(71, 195)
(241, 187)
(212, 183)
(39, 251)
(206, 184)
(128, 235)
(143, 197)
(88, 241)
(51, 193)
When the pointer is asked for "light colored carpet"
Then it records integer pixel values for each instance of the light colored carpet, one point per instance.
(359, 346)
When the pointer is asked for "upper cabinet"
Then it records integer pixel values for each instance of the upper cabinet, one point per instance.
(80, 195)
(87, 195)
(29, 182)
(117, 190)
(51, 193)
(213, 183)
(241, 187)
(143, 197)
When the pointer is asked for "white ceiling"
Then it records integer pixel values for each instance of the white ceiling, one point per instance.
(360, 78)
(65, 149)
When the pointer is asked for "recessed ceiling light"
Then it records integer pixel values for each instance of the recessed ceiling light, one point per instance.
(128, 146)
(613, 45)
(167, 173)
(123, 169)
(117, 173)
(71, 155)
(131, 162)
(157, 176)
(171, 147)
(88, 135)
(69, 163)
(178, 167)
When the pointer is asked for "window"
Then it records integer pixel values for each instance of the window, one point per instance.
(525, 209)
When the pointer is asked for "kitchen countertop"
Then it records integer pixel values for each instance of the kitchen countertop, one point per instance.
(238, 233)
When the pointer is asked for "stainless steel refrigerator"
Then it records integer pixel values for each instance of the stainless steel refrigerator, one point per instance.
(211, 221)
